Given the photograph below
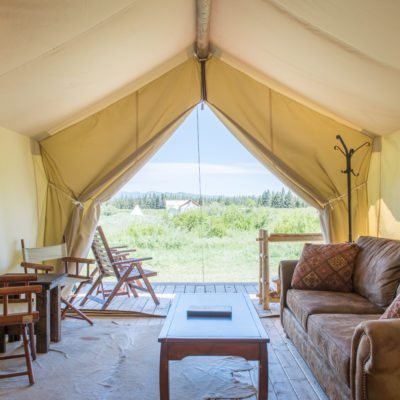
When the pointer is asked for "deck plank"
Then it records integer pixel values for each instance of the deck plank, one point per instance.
(180, 288)
(209, 288)
(220, 289)
(159, 288)
(169, 289)
(200, 289)
(138, 304)
(230, 288)
(190, 288)
(240, 288)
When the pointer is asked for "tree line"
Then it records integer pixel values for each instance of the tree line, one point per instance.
(154, 200)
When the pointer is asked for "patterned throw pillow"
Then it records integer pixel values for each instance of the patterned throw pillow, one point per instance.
(326, 267)
(393, 311)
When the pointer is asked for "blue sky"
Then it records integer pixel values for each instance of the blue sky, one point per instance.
(227, 168)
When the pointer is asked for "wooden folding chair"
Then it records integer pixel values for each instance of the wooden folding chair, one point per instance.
(35, 257)
(16, 311)
(128, 272)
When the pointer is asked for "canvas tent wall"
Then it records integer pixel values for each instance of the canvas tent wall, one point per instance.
(285, 78)
(18, 201)
(290, 139)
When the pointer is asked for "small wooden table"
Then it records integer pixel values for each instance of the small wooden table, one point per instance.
(48, 303)
(242, 335)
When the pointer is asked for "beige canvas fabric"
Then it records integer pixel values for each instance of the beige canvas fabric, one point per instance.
(294, 142)
(338, 56)
(89, 161)
(384, 187)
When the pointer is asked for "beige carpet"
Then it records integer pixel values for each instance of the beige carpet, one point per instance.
(119, 359)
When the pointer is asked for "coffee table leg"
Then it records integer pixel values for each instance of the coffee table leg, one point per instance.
(2, 339)
(164, 373)
(43, 325)
(263, 373)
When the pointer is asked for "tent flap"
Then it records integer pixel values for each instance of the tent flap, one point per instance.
(294, 142)
(91, 160)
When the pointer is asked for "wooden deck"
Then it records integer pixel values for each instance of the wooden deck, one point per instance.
(144, 305)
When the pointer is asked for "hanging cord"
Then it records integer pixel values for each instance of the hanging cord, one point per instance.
(200, 191)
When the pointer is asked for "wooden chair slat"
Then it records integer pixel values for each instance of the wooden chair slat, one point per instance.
(24, 320)
(33, 256)
(114, 263)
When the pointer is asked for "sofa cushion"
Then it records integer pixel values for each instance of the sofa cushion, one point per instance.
(393, 311)
(377, 269)
(326, 267)
(332, 334)
(304, 303)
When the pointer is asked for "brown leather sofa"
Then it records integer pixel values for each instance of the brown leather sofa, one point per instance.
(352, 353)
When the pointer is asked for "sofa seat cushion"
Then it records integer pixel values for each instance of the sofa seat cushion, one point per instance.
(332, 334)
(304, 303)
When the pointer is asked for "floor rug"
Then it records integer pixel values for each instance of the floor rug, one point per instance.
(119, 359)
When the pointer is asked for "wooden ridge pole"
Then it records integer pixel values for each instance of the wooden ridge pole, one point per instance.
(203, 12)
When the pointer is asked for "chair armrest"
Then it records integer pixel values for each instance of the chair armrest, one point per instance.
(18, 278)
(79, 260)
(18, 290)
(130, 261)
(77, 270)
(123, 251)
(37, 267)
(375, 360)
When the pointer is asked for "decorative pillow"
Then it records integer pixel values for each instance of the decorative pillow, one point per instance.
(393, 311)
(326, 267)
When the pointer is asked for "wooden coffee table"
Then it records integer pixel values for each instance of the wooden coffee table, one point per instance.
(242, 335)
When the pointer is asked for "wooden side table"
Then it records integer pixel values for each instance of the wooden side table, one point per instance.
(48, 303)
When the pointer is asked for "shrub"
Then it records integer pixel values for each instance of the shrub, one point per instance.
(108, 210)
(189, 220)
(216, 230)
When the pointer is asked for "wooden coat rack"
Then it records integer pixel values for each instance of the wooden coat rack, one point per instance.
(349, 153)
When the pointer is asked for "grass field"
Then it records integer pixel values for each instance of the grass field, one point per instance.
(217, 244)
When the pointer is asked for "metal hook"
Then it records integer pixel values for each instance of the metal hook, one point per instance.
(359, 147)
(338, 148)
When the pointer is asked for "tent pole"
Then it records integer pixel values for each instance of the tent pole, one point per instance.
(203, 11)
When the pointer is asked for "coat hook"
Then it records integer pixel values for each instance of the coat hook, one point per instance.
(348, 154)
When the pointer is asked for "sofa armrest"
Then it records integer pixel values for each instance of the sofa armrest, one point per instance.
(375, 360)
(286, 270)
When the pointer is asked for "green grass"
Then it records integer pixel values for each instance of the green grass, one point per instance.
(220, 238)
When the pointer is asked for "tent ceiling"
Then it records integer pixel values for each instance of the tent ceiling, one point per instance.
(64, 56)
(61, 58)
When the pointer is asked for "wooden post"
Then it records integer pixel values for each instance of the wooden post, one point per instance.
(263, 269)
(263, 241)
(260, 285)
